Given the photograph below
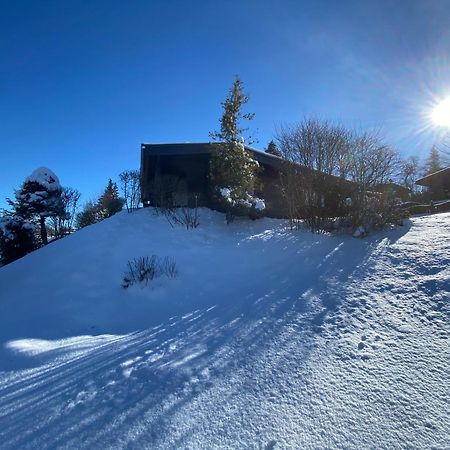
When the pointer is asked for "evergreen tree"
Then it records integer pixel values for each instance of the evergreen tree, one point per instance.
(230, 130)
(88, 216)
(232, 168)
(433, 163)
(16, 238)
(39, 198)
(272, 149)
(109, 202)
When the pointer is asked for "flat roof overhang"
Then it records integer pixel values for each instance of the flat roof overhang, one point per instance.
(441, 178)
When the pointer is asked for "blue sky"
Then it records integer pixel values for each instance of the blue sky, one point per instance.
(83, 83)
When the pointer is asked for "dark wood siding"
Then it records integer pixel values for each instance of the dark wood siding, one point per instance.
(190, 163)
(191, 169)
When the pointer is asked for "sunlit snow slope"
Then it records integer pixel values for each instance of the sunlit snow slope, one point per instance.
(268, 339)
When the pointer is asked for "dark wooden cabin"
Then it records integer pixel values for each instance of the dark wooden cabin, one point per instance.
(189, 163)
(393, 191)
(438, 183)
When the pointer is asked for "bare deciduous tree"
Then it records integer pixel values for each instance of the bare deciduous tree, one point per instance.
(332, 163)
(371, 163)
(63, 224)
(293, 192)
(317, 149)
(410, 173)
(130, 185)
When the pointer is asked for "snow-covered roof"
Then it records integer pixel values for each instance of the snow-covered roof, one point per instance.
(45, 177)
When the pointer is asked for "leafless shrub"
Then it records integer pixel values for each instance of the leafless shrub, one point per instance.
(140, 270)
(145, 269)
(172, 199)
(168, 267)
(186, 216)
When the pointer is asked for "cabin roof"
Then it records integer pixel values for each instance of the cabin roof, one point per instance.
(196, 148)
(435, 178)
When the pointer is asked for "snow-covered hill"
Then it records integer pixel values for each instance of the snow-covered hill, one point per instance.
(268, 338)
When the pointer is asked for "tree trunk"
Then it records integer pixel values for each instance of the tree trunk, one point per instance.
(43, 230)
(229, 215)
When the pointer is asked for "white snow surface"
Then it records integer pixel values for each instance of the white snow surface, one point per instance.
(225, 192)
(268, 339)
(249, 202)
(259, 203)
(46, 178)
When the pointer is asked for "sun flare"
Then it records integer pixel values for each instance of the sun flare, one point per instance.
(441, 113)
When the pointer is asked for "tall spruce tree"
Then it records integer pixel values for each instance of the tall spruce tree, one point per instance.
(433, 163)
(230, 130)
(232, 168)
(272, 149)
(109, 202)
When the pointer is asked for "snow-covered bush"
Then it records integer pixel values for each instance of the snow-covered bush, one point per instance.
(17, 238)
(39, 198)
(375, 212)
(245, 204)
(145, 269)
(360, 232)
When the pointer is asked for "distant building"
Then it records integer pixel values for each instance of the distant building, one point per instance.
(188, 164)
(438, 183)
(393, 191)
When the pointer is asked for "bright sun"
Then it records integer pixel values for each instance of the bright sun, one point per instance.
(441, 113)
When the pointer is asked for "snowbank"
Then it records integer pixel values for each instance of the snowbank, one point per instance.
(268, 338)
